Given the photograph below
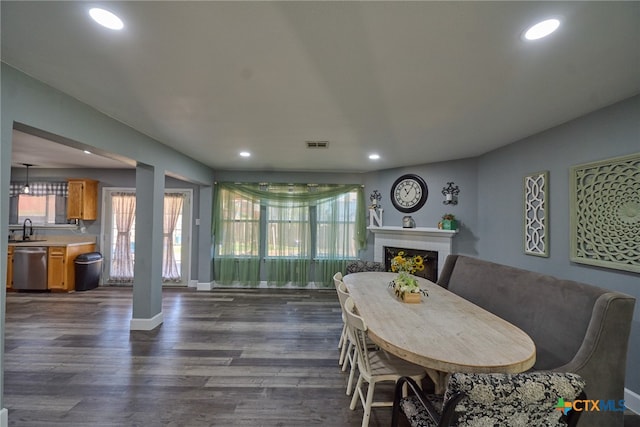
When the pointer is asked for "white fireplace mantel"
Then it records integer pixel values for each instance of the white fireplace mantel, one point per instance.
(423, 238)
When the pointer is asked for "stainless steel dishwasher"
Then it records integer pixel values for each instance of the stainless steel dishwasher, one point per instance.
(30, 268)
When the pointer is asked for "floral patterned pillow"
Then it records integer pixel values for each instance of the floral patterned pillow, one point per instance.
(527, 399)
(360, 266)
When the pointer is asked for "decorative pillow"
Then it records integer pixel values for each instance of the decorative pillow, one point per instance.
(360, 266)
(416, 413)
(526, 399)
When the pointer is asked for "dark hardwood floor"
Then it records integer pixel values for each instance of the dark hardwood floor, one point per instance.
(221, 358)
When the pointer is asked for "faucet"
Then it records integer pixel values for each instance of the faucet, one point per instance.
(25, 236)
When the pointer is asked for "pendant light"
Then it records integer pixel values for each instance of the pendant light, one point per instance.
(26, 189)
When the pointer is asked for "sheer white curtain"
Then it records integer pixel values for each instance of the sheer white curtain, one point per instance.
(172, 209)
(124, 214)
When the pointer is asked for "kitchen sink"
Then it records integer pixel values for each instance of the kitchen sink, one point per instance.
(26, 241)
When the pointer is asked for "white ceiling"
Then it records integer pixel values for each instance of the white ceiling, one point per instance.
(416, 82)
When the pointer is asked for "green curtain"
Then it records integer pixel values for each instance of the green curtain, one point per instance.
(340, 229)
(288, 245)
(236, 223)
(336, 234)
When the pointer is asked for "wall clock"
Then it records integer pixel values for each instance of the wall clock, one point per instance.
(409, 193)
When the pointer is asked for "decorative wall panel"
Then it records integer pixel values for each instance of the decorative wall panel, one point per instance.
(605, 213)
(536, 240)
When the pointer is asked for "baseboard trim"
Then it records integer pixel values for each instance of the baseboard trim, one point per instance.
(261, 285)
(146, 324)
(193, 284)
(632, 401)
(204, 286)
(4, 417)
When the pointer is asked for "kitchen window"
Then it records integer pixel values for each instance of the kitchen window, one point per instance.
(46, 204)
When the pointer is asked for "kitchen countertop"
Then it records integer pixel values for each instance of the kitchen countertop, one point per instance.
(47, 240)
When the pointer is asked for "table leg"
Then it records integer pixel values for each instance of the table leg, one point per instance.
(439, 379)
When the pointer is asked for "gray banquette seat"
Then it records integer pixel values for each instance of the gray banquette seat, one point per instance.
(576, 327)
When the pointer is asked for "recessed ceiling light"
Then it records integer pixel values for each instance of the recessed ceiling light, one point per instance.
(245, 154)
(542, 29)
(87, 152)
(374, 156)
(106, 19)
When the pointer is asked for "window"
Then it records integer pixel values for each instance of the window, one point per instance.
(288, 232)
(46, 204)
(336, 227)
(284, 230)
(240, 226)
(41, 210)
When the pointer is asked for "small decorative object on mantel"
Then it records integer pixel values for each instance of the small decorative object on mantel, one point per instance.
(375, 210)
(450, 193)
(448, 222)
(405, 286)
(408, 222)
(375, 198)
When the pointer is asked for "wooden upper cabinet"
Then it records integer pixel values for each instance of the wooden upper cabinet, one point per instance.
(82, 202)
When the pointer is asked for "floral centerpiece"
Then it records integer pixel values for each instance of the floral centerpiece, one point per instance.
(405, 286)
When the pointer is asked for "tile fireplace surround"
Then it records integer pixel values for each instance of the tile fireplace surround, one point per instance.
(424, 238)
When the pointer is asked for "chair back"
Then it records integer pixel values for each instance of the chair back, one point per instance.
(526, 399)
(358, 330)
(337, 279)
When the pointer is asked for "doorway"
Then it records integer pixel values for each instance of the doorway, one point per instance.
(118, 236)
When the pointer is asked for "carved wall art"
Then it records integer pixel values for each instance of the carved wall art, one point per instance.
(605, 213)
(536, 240)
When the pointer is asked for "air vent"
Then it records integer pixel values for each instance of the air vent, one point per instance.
(317, 144)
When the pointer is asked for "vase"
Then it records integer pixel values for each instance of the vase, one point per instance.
(411, 297)
(404, 279)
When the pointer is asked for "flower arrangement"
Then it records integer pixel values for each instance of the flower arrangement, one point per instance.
(405, 283)
(400, 263)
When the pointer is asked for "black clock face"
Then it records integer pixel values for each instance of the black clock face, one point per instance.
(409, 193)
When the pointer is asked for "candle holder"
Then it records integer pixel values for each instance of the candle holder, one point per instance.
(450, 193)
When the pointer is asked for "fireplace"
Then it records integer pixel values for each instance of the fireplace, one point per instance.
(430, 259)
(436, 241)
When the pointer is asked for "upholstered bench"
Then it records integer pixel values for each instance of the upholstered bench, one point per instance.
(576, 327)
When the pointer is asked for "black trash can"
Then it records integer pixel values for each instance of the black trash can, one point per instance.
(88, 269)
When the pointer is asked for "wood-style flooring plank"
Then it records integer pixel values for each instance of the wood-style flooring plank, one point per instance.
(229, 357)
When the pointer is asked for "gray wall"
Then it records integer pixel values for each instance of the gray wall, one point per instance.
(610, 132)
(461, 172)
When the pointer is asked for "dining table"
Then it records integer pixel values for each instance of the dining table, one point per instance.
(444, 333)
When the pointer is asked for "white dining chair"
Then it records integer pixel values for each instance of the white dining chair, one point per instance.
(337, 280)
(374, 366)
(349, 353)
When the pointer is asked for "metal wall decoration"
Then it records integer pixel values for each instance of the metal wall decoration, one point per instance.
(536, 239)
(605, 213)
(450, 193)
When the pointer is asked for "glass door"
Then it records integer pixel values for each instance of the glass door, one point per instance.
(118, 236)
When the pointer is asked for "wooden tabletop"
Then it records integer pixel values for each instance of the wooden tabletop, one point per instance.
(444, 332)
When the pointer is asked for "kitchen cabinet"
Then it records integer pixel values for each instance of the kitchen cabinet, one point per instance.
(61, 267)
(9, 267)
(82, 201)
(56, 258)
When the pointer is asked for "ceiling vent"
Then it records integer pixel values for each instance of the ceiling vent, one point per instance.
(317, 144)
